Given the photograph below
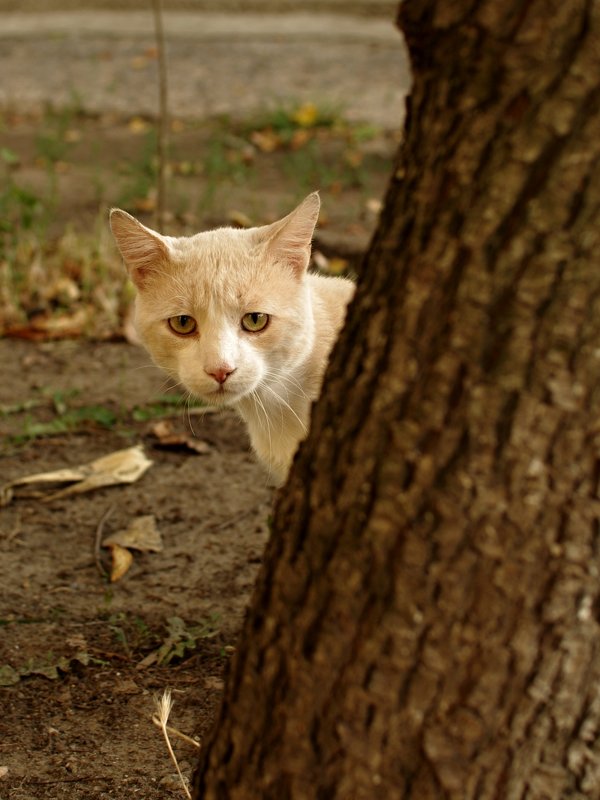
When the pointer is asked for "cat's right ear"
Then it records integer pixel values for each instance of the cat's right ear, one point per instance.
(143, 250)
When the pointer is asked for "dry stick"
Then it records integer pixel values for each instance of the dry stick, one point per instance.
(98, 541)
(163, 117)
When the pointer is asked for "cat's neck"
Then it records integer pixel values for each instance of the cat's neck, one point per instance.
(277, 413)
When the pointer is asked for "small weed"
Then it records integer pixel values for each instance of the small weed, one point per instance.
(141, 176)
(20, 210)
(18, 408)
(286, 120)
(131, 632)
(53, 140)
(67, 422)
(223, 166)
(182, 639)
(164, 406)
(67, 418)
(135, 636)
(48, 666)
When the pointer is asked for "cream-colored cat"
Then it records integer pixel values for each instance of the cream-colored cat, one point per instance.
(235, 317)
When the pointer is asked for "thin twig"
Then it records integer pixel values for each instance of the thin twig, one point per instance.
(163, 116)
(16, 530)
(98, 541)
(227, 523)
(69, 779)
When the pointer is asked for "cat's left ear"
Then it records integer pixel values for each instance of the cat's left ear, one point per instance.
(289, 239)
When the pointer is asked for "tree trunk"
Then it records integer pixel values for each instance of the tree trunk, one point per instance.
(426, 621)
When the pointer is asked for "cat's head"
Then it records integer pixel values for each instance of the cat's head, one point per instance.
(226, 310)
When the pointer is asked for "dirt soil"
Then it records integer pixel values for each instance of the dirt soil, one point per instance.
(76, 715)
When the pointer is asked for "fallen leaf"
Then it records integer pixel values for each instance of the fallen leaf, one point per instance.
(146, 204)
(338, 265)
(170, 440)
(51, 670)
(8, 675)
(72, 135)
(267, 141)
(138, 125)
(332, 266)
(213, 683)
(306, 115)
(141, 534)
(300, 138)
(3, 772)
(42, 327)
(353, 158)
(122, 559)
(122, 466)
(374, 205)
(239, 219)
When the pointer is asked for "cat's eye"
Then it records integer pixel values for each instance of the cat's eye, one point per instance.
(182, 324)
(255, 321)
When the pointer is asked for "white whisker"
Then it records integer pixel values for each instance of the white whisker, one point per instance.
(285, 378)
(259, 403)
(286, 404)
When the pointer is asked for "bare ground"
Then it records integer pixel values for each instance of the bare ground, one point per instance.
(82, 732)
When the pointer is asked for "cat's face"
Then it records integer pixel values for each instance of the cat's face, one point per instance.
(227, 311)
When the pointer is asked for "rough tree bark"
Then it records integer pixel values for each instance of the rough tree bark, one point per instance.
(426, 624)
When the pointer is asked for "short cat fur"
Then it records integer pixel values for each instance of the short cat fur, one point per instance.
(221, 280)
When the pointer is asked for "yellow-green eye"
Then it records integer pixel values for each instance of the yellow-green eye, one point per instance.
(255, 321)
(182, 324)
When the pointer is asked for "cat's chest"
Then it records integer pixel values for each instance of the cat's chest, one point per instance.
(277, 420)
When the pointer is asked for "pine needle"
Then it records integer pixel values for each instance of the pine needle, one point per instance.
(164, 705)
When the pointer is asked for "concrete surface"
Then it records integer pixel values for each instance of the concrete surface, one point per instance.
(219, 62)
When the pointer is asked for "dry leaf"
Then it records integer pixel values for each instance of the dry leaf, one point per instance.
(3, 772)
(122, 559)
(167, 438)
(72, 135)
(146, 204)
(306, 115)
(239, 219)
(138, 125)
(374, 205)
(213, 683)
(300, 138)
(122, 466)
(332, 266)
(42, 327)
(338, 265)
(141, 534)
(267, 141)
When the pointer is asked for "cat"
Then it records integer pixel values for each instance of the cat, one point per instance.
(235, 316)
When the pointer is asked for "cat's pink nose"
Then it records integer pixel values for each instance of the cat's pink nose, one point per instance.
(220, 374)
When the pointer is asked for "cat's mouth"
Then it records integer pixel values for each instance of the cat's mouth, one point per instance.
(221, 396)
